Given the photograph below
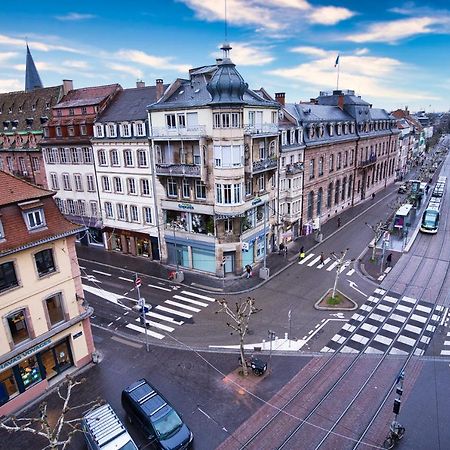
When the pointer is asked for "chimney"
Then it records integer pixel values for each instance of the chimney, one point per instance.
(140, 84)
(341, 101)
(159, 88)
(280, 97)
(67, 86)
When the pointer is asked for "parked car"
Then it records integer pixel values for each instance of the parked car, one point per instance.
(155, 416)
(402, 189)
(103, 430)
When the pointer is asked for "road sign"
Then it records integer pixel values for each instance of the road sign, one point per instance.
(138, 282)
(141, 302)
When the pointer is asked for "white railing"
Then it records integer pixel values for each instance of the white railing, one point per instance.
(198, 130)
(261, 128)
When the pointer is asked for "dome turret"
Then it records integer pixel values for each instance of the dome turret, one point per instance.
(227, 85)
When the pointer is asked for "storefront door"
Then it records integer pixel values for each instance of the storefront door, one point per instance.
(229, 262)
(56, 359)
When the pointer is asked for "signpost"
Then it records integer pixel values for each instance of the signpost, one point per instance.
(142, 308)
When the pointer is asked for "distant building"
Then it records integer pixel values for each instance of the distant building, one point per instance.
(69, 161)
(124, 172)
(23, 115)
(45, 328)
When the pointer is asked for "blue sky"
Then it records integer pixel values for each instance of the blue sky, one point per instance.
(393, 54)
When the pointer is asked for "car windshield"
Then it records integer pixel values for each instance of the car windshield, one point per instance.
(129, 446)
(167, 424)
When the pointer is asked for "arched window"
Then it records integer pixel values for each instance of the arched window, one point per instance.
(331, 163)
(319, 201)
(329, 194)
(336, 192)
(350, 183)
(321, 166)
(310, 204)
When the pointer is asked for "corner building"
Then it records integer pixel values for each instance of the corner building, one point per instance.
(44, 329)
(215, 154)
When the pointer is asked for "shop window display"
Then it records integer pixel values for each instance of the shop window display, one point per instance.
(143, 247)
(8, 386)
(29, 372)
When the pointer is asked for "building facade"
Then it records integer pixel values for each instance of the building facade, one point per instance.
(124, 174)
(44, 328)
(215, 154)
(69, 160)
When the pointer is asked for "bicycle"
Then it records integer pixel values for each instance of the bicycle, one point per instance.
(396, 432)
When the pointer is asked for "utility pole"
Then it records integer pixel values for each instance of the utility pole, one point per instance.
(289, 319)
(142, 308)
(271, 335)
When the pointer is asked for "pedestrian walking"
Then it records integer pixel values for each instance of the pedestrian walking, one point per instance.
(373, 195)
(301, 254)
(389, 260)
(285, 251)
(322, 259)
(338, 222)
(281, 248)
(248, 270)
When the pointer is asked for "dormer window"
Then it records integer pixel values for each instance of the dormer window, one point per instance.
(33, 107)
(112, 130)
(125, 130)
(35, 219)
(59, 112)
(71, 111)
(99, 130)
(140, 129)
(84, 110)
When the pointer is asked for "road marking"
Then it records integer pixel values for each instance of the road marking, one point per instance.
(109, 296)
(445, 352)
(174, 311)
(310, 264)
(166, 318)
(350, 272)
(109, 324)
(81, 267)
(101, 273)
(159, 287)
(344, 267)
(203, 297)
(189, 300)
(180, 305)
(158, 325)
(126, 342)
(134, 327)
(444, 316)
(330, 268)
(306, 258)
(126, 279)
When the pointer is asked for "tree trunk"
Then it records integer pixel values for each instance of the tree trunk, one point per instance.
(243, 363)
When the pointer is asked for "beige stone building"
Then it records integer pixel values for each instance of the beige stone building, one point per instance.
(44, 328)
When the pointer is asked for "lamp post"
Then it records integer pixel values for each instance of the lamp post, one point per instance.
(175, 243)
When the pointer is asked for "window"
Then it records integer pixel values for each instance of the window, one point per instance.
(331, 163)
(319, 201)
(147, 212)
(261, 183)
(8, 277)
(44, 262)
(134, 214)
(329, 195)
(186, 188)
(35, 219)
(262, 151)
(200, 190)
(131, 186)
(126, 130)
(58, 131)
(10, 163)
(227, 120)
(8, 386)
(321, 166)
(336, 192)
(344, 188)
(346, 158)
(181, 120)
(81, 207)
(140, 129)
(71, 112)
(145, 186)
(106, 186)
(227, 194)
(142, 158)
(121, 212)
(102, 158)
(22, 164)
(114, 157)
(99, 130)
(70, 207)
(112, 130)
(87, 155)
(171, 121)
(35, 164)
(18, 327)
(54, 181)
(228, 155)
(310, 205)
(338, 161)
(311, 169)
(66, 182)
(172, 190)
(71, 131)
(83, 110)
(55, 309)
(94, 209)
(350, 182)
(117, 185)
(109, 210)
(90, 183)
(64, 156)
(78, 182)
(128, 158)
(197, 157)
(228, 226)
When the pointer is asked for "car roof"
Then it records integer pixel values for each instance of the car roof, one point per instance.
(144, 394)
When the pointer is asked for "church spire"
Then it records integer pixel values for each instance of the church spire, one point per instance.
(32, 78)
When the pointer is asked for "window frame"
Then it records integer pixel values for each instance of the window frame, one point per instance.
(50, 264)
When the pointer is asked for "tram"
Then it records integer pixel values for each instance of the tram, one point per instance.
(430, 217)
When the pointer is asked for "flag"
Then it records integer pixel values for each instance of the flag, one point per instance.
(337, 61)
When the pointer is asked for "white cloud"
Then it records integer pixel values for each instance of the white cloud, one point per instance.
(75, 64)
(133, 71)
(361, 51)
(247, 55)
(330, 15)
(157, 62)
(4, 56)
(396, 30)
(11, 85)
(35, 45)
(373, 76)
(313, 51)
(73, 16)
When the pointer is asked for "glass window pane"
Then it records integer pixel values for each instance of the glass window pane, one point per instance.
(55, 310)
(18, 327)
(29, 371)
(8, 386)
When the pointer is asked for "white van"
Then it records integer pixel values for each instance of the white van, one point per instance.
(103, 430)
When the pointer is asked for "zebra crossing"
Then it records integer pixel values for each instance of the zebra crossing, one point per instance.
(387, 322)
(446, 350)
(172, 313)
(313, 260)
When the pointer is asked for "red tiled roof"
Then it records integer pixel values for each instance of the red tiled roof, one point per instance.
(17, 235)
(87, 96)
(14, 190)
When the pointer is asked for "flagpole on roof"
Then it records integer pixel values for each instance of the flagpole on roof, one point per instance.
(337, 64)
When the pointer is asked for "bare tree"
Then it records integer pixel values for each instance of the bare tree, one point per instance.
(240, 318)
(341, 261)
(59, 436)
(378, 230)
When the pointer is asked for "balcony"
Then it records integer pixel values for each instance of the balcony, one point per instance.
(294, 168)
(368, 162)
(264, 164)
(164, 132)
(185, 170)
(261, 128)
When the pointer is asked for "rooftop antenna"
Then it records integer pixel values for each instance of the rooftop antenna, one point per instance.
(226, 46)
(226, 23)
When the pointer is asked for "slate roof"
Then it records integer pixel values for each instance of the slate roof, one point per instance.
(21, 105)
(320, 113)
(87, 96)
(130, 104)
(17, 236)
(32, 78)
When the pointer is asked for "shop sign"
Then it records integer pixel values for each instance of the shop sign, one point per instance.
(245, 246)
(77, 335)
(185, 206)
(23, 355)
